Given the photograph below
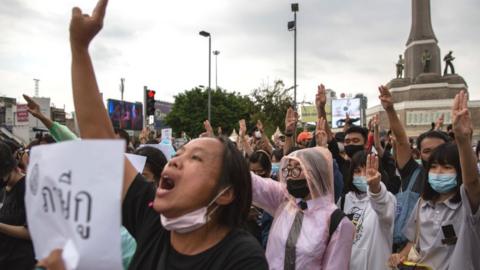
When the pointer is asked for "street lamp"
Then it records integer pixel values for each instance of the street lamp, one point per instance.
(216, 53)
(207, 34)
(292, 26)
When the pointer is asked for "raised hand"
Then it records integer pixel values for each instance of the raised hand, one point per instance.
(372, 173)
(376, 121)
(385, 98)
(242, 131)
(320, 97)
(320, 132)
(219, 131)
(291, 121)
(208, 129)
(260, 126)
(84, 27)
(461, 120)
(439, 122)
(33, 107)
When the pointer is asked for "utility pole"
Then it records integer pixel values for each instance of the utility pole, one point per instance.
(122, 87)
(37, 91)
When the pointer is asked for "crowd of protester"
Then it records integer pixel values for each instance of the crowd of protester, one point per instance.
(356, 199)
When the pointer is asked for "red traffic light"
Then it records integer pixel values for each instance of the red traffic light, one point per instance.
(151, 93)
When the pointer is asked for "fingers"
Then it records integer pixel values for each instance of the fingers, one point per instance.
(456, 102)
(99, 11)
(76, 12)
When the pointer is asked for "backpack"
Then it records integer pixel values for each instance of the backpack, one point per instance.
(335, 219)
(406, 201)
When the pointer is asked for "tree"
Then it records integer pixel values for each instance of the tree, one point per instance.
(271, 104)
(190, 110)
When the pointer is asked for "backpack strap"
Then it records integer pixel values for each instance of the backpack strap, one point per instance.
(413, 178)
(342, 202)
(335, 219)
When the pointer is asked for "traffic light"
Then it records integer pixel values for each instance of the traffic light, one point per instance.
(150, 102)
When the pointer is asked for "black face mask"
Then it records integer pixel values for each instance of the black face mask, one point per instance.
(352, 149)
(298, 188)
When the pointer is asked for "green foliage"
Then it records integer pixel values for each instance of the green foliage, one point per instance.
(190, 110)
(271, 104)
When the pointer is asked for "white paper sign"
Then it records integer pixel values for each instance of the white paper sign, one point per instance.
(167, 134)
(73, 201)
(167, 149)
(137, 161)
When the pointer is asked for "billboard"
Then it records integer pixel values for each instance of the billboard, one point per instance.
(125, 115)
(340, 108)
(22, 113)
(162, 108)
(309, 113)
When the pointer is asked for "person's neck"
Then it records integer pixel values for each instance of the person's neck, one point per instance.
(445, 196)
(198, 241)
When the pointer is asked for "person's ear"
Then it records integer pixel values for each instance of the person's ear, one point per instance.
(226, 198)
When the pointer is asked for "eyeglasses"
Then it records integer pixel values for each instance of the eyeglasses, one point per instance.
(293, 172)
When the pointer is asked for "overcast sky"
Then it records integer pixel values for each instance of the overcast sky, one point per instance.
(350, 45)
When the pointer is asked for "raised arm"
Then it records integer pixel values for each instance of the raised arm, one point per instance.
(290, 125)
(403, 150)
(34, 109)
(242, 138)
(462, 127)
(376, 136)
(93, 120)
(320, 102)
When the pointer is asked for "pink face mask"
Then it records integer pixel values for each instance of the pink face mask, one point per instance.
(190, 221)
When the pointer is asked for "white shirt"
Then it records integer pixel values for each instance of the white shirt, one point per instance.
(373, 216)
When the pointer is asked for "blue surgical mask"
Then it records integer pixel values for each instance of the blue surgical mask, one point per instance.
(442, 182)
(275, 168)
(360, 182)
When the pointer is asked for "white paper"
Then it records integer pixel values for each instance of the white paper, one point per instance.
(73, 201)
(137, 161)
(167, 134)
(167, 149)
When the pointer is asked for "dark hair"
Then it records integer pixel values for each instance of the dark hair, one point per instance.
(7, 160)
(263, 159)
(444, 154)
(123, 134)
(432, 134)
(152, 141)
(156, 160)
(340, 136)
(236, 175)
(278, 154)
(359, 159)
(357, 129)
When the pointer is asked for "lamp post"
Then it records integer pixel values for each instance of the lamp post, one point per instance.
(216, 53)
(292, 26)
(207, 34)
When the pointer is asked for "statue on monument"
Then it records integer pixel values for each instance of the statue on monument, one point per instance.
(400, 66)
(448, 63)
(426, 59)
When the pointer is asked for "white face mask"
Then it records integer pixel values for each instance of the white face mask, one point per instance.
(190, 221)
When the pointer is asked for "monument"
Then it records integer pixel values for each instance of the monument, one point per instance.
(423, 93)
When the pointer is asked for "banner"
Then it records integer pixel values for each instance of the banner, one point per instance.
(73, 201)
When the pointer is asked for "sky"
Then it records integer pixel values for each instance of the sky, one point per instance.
(351, 46)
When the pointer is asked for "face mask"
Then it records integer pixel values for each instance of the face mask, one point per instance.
(442, 183)
(360, 182)
(258, 134)
(419, 161)
(190, 221)
(275, 168)
(298, 188)
(352, 149)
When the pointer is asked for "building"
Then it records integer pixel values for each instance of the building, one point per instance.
(424, 93)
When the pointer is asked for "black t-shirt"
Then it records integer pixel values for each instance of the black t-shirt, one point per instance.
(238, 250)
(12, 212)
(406, 173)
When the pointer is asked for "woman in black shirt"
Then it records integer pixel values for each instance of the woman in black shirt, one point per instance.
(204, 193)
(16, 250)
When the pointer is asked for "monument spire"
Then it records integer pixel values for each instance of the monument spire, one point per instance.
(421, 22)
(422, 55)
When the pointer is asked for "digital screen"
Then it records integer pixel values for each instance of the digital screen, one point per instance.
(340, 108)
(125, 115)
